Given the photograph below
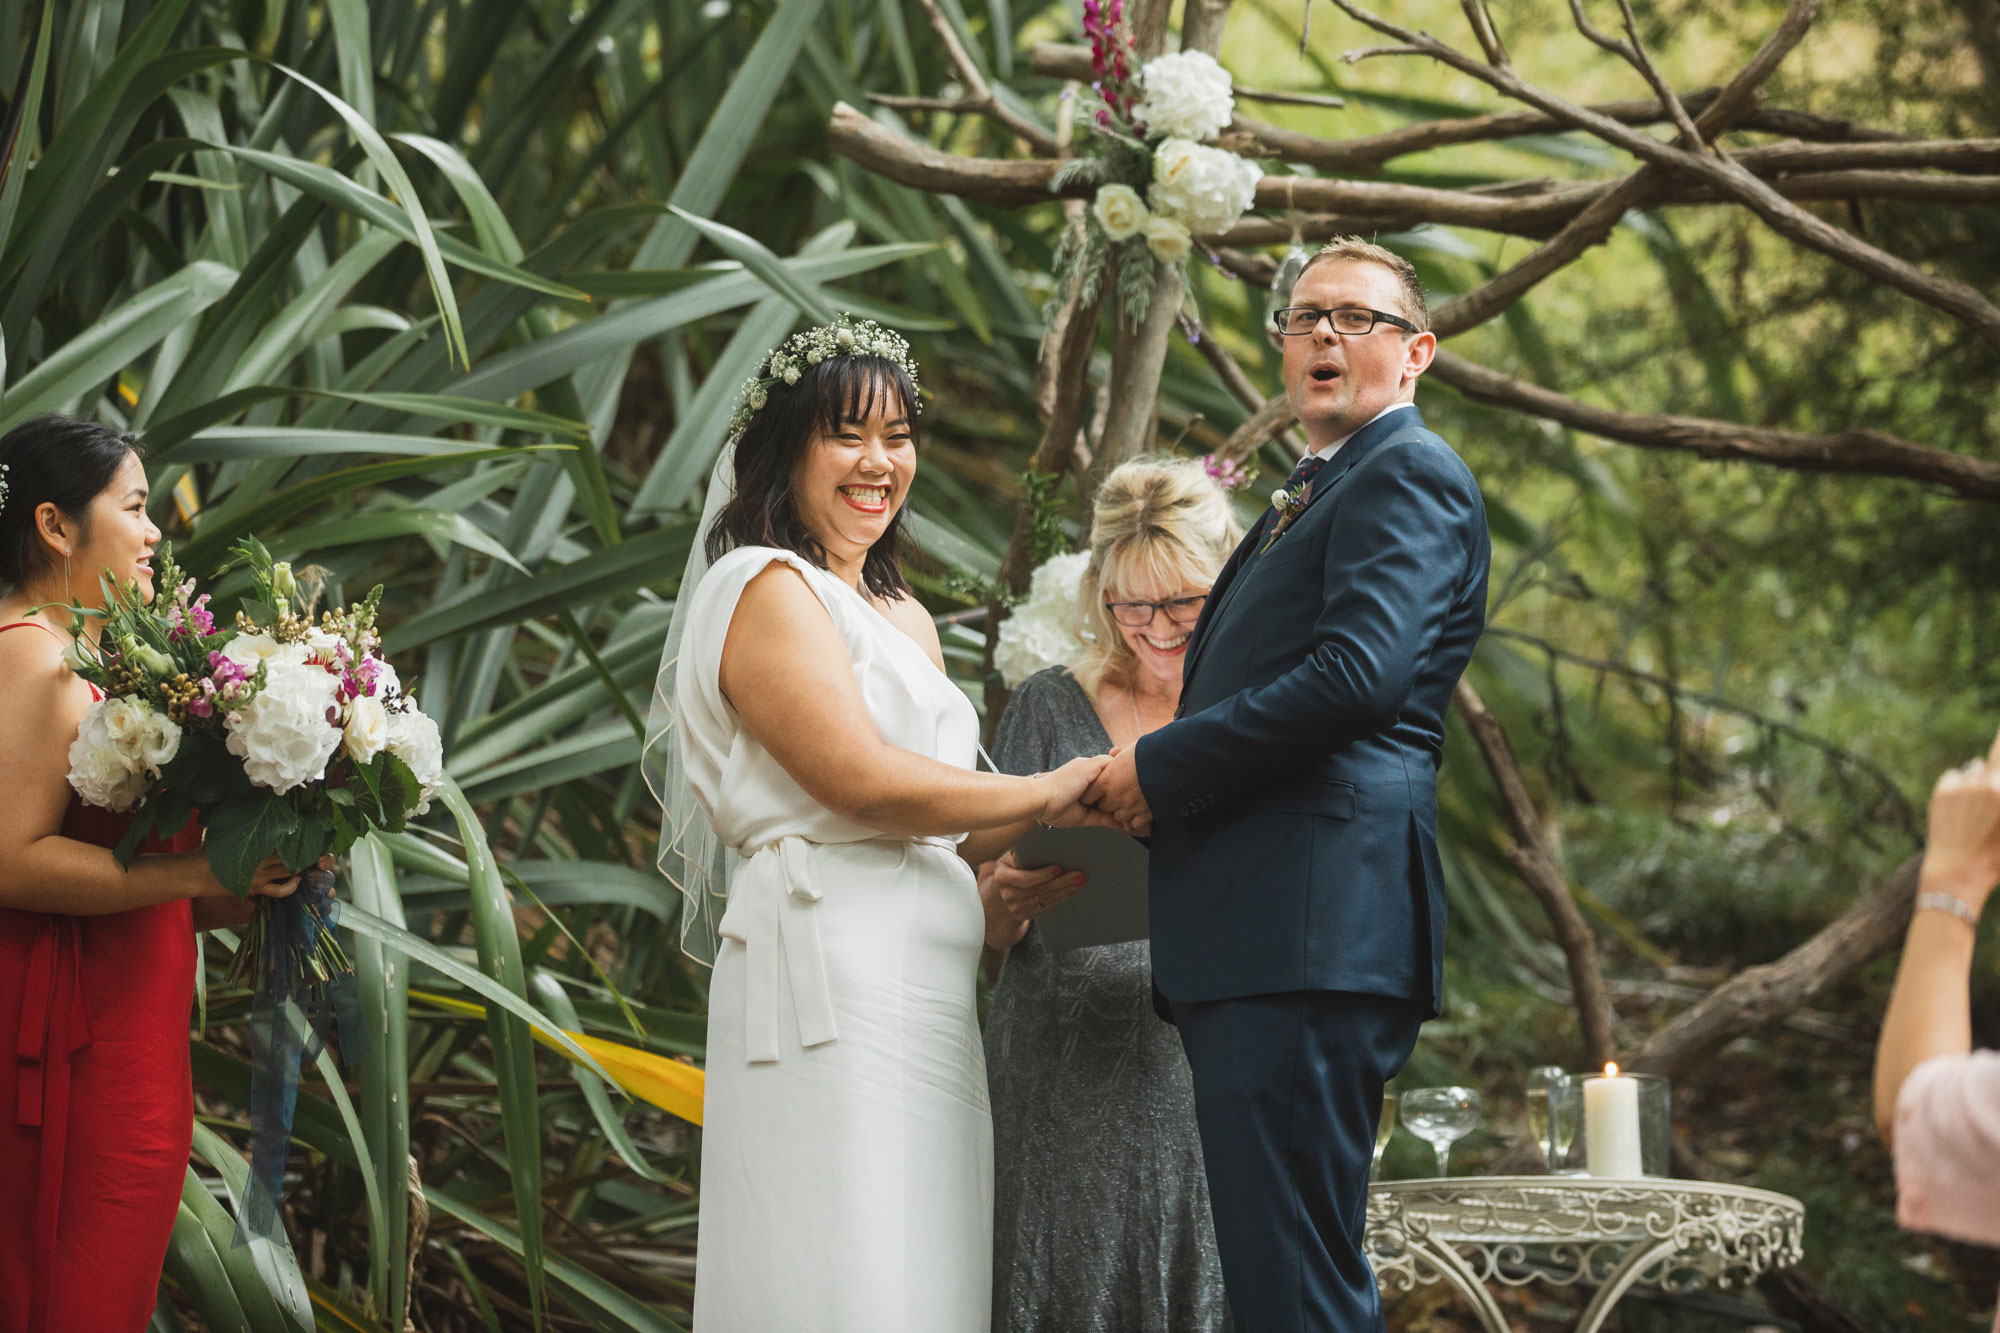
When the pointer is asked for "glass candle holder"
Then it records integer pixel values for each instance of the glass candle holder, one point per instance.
(1569, 1125)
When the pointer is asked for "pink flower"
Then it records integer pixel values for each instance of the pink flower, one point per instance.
(1228, 473)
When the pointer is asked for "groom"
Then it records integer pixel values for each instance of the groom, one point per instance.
(1297, 898)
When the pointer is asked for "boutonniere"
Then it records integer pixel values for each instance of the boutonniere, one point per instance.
(1290, 502)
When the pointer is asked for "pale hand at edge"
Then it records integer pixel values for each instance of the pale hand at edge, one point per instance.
(1962, 851)
(1062, 791)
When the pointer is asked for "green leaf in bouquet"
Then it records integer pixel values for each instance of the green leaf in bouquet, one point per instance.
(242, 832)
(144, 820)
(309, 840)
(387, 791)
(345, 834)
(205, 773)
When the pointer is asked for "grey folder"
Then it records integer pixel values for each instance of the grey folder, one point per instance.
(1111, 907)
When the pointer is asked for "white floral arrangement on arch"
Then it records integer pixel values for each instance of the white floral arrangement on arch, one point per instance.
(1046, 629)
(1161, 178)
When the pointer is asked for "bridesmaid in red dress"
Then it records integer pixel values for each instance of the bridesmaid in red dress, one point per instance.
(96, 962)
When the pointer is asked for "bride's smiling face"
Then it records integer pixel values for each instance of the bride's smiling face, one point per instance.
(854, 477)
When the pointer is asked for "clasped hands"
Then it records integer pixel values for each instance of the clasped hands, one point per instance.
(1102, 790)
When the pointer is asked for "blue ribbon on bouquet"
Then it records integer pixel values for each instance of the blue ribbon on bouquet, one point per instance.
(292, 1012)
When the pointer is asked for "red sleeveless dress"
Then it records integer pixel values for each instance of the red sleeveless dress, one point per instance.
(96, 1101)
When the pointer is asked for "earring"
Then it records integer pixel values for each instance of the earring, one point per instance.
(67, 595)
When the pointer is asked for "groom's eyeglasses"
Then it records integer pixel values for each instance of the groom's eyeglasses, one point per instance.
(1352, 320)
(1138, 615)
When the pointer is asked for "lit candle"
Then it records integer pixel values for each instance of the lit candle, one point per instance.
(1611, 1125)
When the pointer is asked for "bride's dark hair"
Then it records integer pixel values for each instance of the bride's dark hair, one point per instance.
(837, 392)
(59, 460)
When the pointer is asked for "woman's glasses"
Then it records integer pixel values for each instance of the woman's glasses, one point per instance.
(1138, 615)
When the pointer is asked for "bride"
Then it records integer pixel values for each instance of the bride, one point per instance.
(818, 783)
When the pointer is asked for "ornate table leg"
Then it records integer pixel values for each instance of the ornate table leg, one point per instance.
(1460, 1277)
(1620, 1281)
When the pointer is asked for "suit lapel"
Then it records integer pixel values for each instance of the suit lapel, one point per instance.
(1358, 446)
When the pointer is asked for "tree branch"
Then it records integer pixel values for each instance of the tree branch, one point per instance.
(1266, 421)
(1201, 25)
(1857, 452)
(1238, 382)
(1537, 866)
(1761, 995)
(1064, 60)
(979, 96)
(1730, 178)
(1535, 209)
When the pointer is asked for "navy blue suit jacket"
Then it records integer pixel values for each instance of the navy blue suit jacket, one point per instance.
(1294, 799)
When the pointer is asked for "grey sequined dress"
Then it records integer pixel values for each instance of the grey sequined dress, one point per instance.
(1101, 1219)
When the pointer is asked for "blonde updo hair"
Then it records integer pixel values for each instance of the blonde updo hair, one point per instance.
(1163, 520)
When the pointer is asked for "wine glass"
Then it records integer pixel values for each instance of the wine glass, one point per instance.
(1441, 1117)
(1384, 1129)
(1541, 1083)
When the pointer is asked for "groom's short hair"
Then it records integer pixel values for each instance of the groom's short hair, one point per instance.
(1415, 308)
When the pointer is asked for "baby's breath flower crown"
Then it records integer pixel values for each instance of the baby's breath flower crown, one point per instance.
(846, 336)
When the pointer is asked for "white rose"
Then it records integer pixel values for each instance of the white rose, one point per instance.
(247, 650)
(159, 742)
(1042, 631)
(1206, 188)
(367, 731)
(285, 735)
(1184, 95)
(98, 771)
(414, 739)
(1168, 239)
(1120, 211)
(124, 723)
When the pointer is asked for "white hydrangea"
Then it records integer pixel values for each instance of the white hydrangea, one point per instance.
(288, 732)
(414, 739)
(1184, 95)
(1042, 631)
(1206, 188)
(99, 769)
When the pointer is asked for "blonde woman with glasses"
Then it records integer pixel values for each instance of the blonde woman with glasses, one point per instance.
(1102, 1216)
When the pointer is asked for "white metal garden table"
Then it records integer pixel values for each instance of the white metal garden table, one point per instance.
(1469, 1231)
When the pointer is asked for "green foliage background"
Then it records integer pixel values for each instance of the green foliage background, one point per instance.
(269, 237)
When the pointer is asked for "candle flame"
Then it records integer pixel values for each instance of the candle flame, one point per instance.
(1611, 1071)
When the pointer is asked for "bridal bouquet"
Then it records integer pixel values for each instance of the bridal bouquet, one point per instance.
(286, 736)
(1161, 178)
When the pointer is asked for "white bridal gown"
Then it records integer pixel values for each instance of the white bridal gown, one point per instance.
(847, 1145)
